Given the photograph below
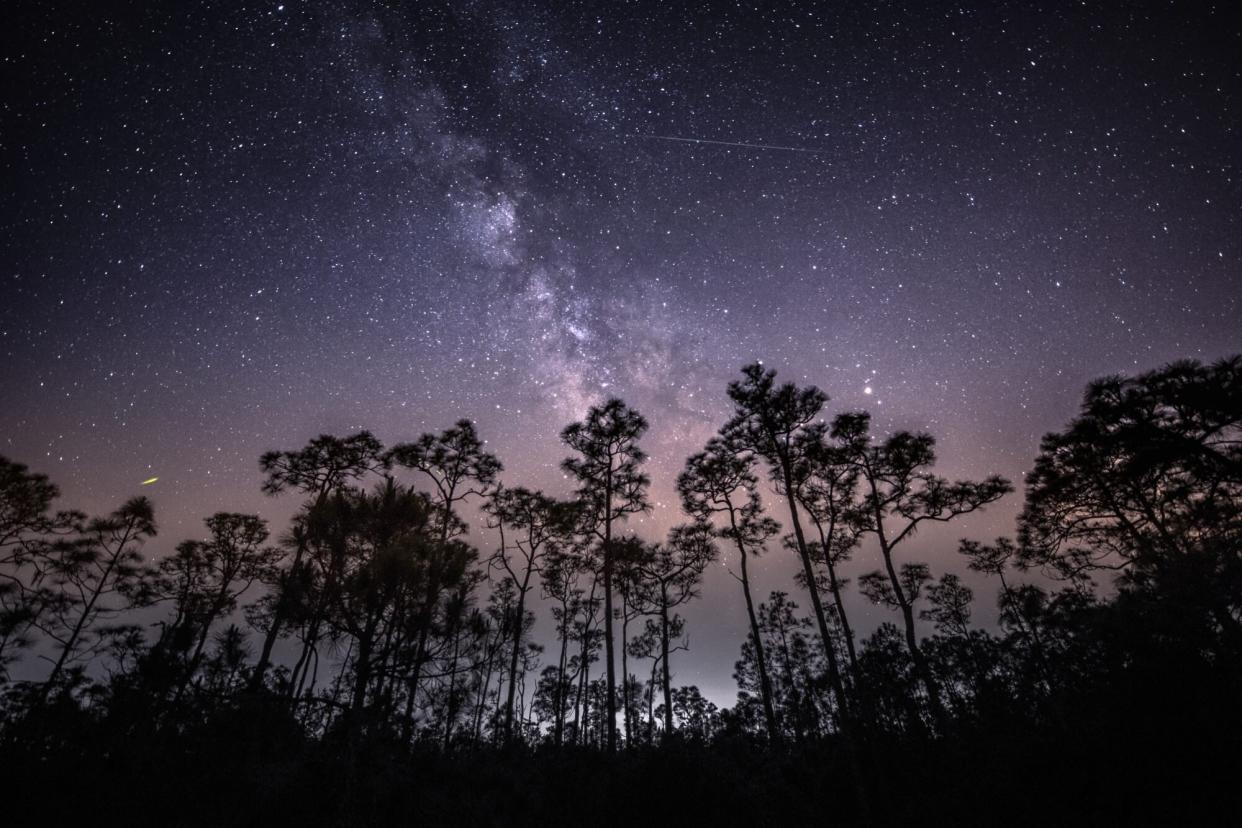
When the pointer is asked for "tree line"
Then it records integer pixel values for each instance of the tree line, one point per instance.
(372, 619)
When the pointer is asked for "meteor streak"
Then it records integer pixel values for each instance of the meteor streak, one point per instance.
(726, 143)
(149, 481)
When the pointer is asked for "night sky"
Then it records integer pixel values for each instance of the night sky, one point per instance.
(229, 227)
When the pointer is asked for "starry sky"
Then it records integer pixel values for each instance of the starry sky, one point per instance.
(230, 226)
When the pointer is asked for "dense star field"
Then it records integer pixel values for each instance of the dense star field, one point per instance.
(231, 227)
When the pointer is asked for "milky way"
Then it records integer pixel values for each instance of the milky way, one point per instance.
(233, 226)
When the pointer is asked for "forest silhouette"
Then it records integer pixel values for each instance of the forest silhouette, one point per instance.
(368, 664)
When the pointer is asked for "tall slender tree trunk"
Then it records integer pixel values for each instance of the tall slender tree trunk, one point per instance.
(558, 728)
(384, 666)
(921, 668)
(668, 678)
(518, 624)
(310, 646)
(278, 614)
(791, 686)
(610, 701)
(584, 693)
(625, 668)
(297, 678)
(426, 615)
(481, 700)
(655, 666)
(451, 705)
(1031, 633)
(834, 673)
(416, 675)
(834, 585)
(362, 665)
(761, 662)
(582, 700)
(339, 681)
